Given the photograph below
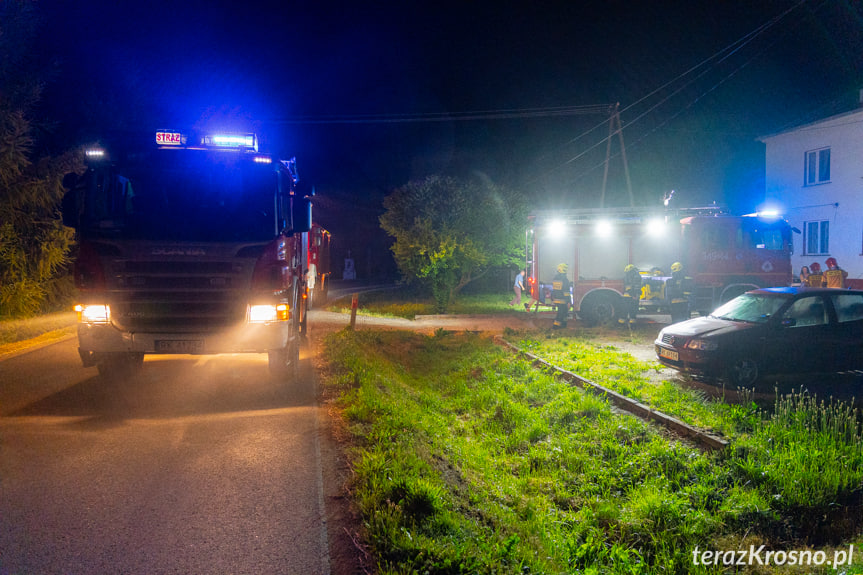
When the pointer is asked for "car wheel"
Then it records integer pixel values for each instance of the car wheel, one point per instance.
(744, 372)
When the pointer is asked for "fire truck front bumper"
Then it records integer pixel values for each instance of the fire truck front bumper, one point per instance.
(248, 338)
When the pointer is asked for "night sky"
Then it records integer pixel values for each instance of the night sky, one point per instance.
(370, 95)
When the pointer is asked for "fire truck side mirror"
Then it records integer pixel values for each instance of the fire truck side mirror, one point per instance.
(301, 215)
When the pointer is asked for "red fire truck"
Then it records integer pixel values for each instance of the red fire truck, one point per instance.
(190, 244)
(722, 256)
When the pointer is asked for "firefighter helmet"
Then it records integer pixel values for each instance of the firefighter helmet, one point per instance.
(831, 263)
(630, 268)
(815, 268)
(562, 268)
(676, 267)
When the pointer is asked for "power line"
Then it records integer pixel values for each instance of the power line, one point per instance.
(713, 61)
(504, 114)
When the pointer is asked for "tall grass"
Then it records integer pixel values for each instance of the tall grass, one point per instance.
(608, 366)
(807, 457)
(468, 460)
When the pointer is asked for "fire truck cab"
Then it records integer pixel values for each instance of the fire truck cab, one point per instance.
(188, 244)
(721, 257)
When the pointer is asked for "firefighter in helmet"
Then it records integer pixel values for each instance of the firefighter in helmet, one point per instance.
(560, 296)
(835, 276)
(631, 294)
(816, 278)
(677, 291)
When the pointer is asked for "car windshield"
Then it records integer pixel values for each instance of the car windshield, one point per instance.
(753, 308)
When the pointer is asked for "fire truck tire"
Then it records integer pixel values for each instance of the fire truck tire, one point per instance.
(599, 308)
(744, 371)
(284, 363)
(119, 365)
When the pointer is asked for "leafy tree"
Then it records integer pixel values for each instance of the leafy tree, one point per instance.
(34, 244)
(449, 232)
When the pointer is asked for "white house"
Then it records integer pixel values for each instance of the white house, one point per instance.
(815, 178)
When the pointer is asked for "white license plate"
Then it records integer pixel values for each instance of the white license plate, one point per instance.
(668, 354)
(179, 345)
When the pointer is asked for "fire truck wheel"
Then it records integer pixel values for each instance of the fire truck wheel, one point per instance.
(285, 363)
(599, 308)
(118, 365)
(744, 372)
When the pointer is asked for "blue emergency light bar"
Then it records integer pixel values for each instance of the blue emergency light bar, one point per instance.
(230, 141)
(219, 141)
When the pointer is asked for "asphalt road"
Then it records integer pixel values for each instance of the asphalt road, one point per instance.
(199, 465)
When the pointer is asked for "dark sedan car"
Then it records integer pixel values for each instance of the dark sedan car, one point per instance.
(769, 331)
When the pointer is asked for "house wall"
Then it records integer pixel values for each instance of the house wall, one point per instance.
(838, 201)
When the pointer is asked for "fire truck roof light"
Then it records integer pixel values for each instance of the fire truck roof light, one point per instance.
(557, 228)
(95, 153)
(655, 227)
(231, 141)
(604, 228)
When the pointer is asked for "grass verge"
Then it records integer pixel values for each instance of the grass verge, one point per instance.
(407, 305)
(45, 327)
(467, 460)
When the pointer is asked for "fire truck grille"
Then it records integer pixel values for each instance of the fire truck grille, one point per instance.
(178, 296)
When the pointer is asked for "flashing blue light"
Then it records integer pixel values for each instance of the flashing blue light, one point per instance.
(95, 153)
(231, 141)
(263, 160)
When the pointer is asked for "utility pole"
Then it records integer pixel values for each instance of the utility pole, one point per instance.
(615, 128)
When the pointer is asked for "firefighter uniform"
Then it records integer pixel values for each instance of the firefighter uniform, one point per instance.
(816, 278)
(678, 292)
(560, 296)
(631, 294)
(835, 276)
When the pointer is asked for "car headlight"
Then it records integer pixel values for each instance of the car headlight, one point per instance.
(701, 344)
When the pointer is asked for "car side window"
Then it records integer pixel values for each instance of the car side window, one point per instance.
(807, 311)
(849, 307)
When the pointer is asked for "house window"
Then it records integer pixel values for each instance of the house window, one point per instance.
(817, 167)
(817, 237)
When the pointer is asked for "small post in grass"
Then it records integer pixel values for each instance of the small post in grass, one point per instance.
(354, 301)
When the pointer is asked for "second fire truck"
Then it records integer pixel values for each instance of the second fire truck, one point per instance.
(722, 256)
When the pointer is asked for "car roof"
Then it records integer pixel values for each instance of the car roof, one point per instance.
(794, 290)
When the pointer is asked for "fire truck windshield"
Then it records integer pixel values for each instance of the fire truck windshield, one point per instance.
(182, 195)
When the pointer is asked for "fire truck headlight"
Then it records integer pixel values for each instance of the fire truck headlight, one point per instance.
(262, 313)
(99, 313)
(702, 345)
(269, 313)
